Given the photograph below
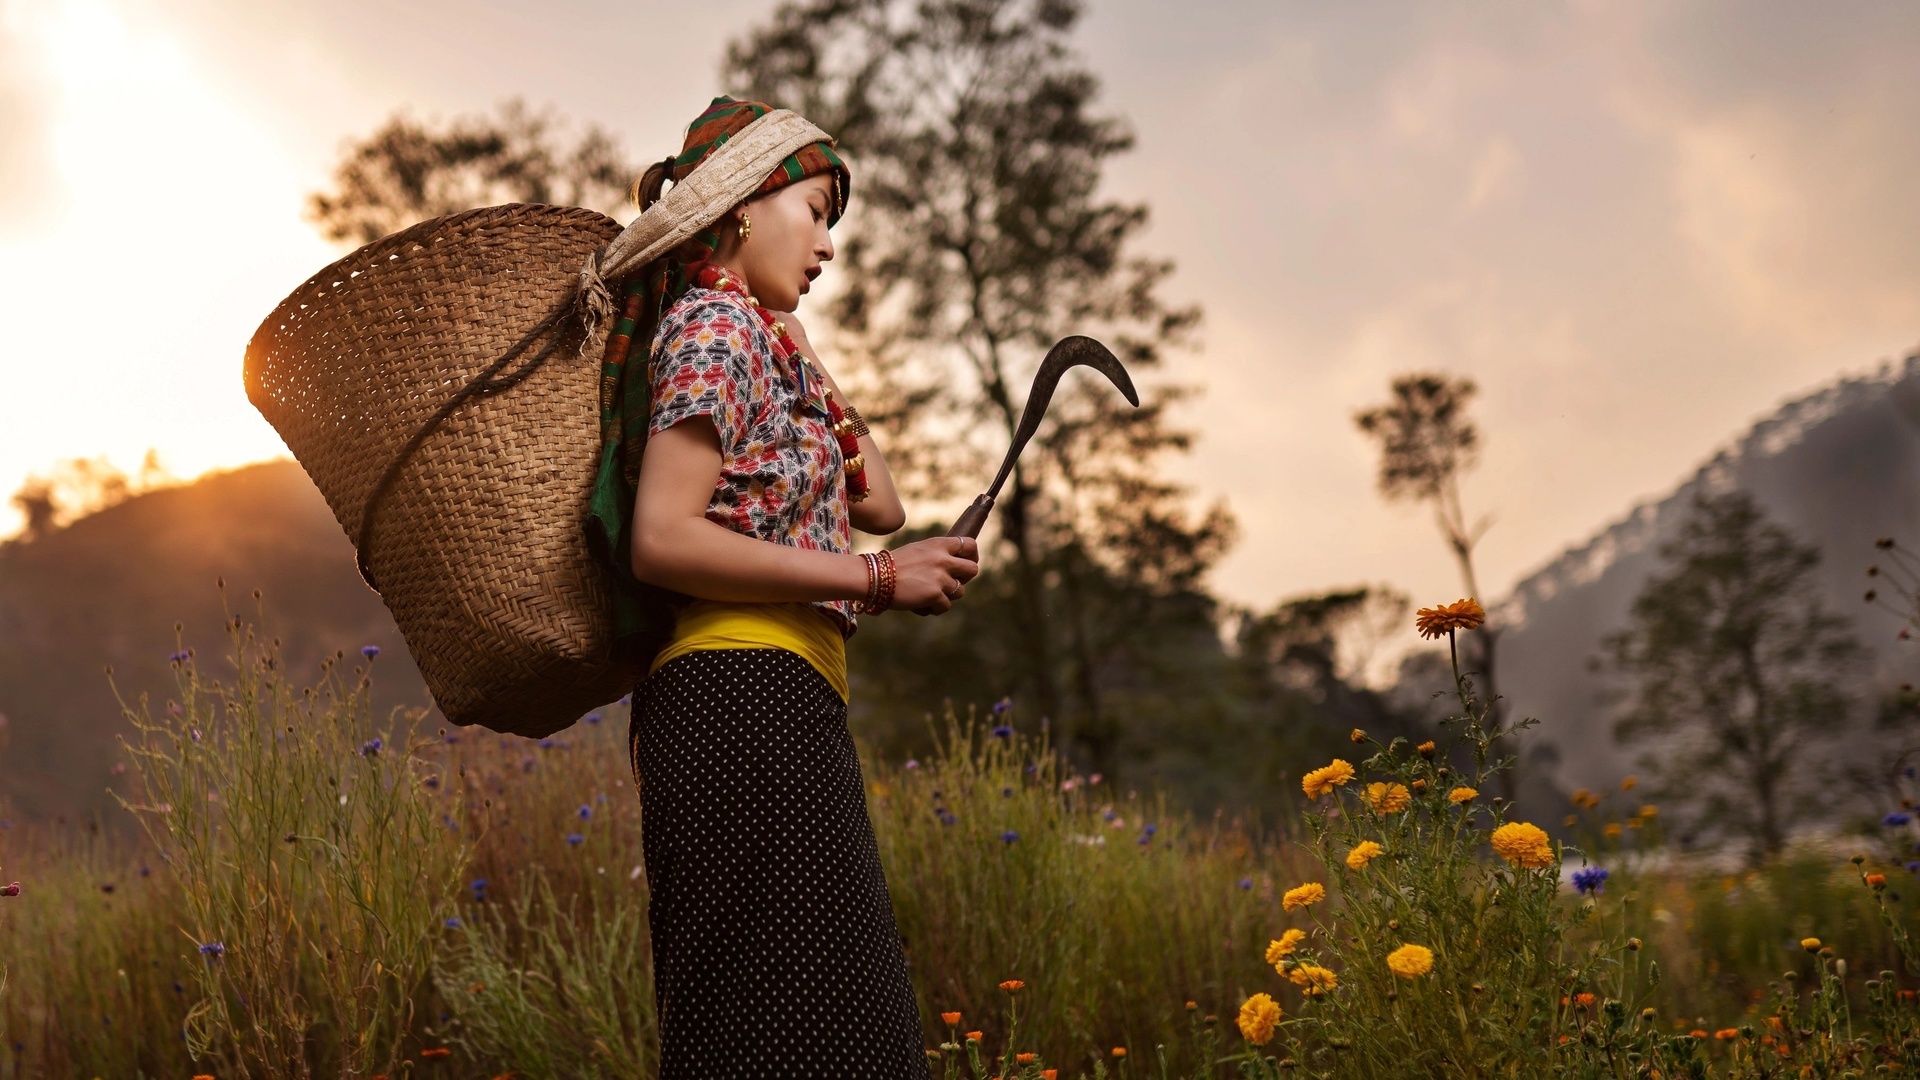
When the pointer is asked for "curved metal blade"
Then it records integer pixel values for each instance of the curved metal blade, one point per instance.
(1068, 352)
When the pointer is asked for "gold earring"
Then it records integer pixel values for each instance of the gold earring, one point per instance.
(746, 226)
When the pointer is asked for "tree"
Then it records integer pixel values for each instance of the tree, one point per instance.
(979, 239)
(1426, 442)
(78, 487)
(408, 172)
(1737, 672)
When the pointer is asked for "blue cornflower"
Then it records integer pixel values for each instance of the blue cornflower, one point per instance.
(946, 818)
(1002, 731)
(1896, 818)
(1590, 880)
(593, 718)
(1009, 836)
(1032, 768)
(548, 744)
(146, 871)
(625, 699)
(369, 651)
(1246, 883)
(585, 811)
(479, 887)
(451, 737)
(177, 658)
(453, 923)
(1110, 815)
(1913, 867)
(1150, 828)
(1003, 706)
(575, 838)
(371, 746)
(213, 950)
(1006, 792)
(432, 781)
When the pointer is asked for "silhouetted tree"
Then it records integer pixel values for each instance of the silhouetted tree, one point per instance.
(1426, 441)
(1736, 672)
(978, 239)
(408, 171)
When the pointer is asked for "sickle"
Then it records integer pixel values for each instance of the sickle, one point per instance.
(1068, 352)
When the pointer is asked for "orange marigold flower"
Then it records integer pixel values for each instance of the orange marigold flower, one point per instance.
(1322, 781)
(1011, 985)
(1303, 895)
(1259, 1015)
(1362, 854)
(1024, 1058)
(1278, 950)
(973, 1036)
(1727, 1033)
(1629, 783)
(202, 1076)
(1523, 845)
(951, 1019)
(1389, 798)
(1698, 1033)
(1313, 978)
(1649, 810)
(1426, 749)
(1432, 622)
(1461, 794)
(1119, 1051)
(1410, 961)
(433, 1052)
(1612, 830)
(1584, 999)
(1876, 881)
(1049, 1074)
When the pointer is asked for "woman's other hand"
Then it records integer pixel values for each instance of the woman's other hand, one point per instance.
(930, 575)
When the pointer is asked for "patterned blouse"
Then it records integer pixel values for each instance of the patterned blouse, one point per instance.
(780, 467)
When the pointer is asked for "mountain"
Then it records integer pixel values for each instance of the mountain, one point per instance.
(108, 589)
(1838, 468)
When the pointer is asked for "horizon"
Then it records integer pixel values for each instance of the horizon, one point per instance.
(1640, 229)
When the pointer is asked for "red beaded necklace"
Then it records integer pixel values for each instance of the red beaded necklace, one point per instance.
(709, 276)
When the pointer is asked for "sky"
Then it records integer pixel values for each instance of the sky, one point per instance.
(1639, 227)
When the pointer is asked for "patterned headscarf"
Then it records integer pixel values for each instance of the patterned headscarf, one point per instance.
(643, 614)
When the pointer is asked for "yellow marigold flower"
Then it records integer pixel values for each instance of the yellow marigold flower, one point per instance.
(1523, 845)
(1580, 796)
(1410, 961)
(1357, 736)
(1811, 944)
(1613, 830)
(1389, 798)
(1279, 949)
(951, 1019)
(1461, 794)
(1426, 749)
(1303, 895)
(1259, 1015)
(1649, 810)
(1313, 978)
(1362, 853)
(1323, 780)
(1629, 783)
(1445, 619)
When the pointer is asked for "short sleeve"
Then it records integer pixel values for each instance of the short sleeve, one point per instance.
(702, 366)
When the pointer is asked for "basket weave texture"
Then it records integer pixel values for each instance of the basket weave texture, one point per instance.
(477, 546)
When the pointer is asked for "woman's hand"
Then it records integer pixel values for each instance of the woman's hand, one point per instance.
(930, 575)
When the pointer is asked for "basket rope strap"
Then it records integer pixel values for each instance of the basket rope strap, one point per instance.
(479, 386)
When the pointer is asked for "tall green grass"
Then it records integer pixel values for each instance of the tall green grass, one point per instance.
(477, 903)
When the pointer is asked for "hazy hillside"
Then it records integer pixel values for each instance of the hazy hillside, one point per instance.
(1839, 468)
(109, 588)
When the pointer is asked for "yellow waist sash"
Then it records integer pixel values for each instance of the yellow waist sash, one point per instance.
(801, 629)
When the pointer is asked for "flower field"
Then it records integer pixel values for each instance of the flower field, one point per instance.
(324, 892)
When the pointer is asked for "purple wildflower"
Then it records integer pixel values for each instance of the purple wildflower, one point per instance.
(10, 889)
(1009, 836)
(593, 718)
(585, 811)
(369, 651)
(213, 950)
(549, 743)
(453, 923)
(177, 658)
(1003, 706)
(1246, 883)
(1896, 819)
(575, 839)
(911, 764)
(1002, 731)
(625, 699)
(1590, 880)
(371, 746)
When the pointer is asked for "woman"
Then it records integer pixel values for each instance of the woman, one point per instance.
(775, 947)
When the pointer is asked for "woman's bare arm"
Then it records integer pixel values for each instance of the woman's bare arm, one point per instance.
(676, 547)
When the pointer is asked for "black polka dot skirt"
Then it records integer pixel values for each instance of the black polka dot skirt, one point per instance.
(775, 951)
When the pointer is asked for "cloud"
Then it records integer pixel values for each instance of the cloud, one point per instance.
(29, 189)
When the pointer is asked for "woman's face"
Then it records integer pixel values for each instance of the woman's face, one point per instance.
(786, 242)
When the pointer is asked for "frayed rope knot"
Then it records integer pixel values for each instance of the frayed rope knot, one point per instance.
(595, 300)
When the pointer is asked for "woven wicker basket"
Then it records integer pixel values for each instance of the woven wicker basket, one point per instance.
(475, 542)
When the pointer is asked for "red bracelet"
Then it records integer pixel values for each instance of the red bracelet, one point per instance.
(881, 579)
